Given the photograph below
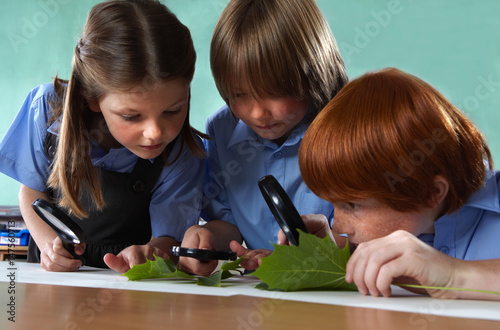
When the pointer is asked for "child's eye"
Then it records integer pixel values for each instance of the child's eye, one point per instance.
(352, 206)
(173, 112)
(239, 95)
(129, 118)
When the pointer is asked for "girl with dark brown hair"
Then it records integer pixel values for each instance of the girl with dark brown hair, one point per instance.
(113, 145)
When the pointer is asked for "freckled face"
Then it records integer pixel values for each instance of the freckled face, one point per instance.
(367, 219)
(270, 118)
(146, 121)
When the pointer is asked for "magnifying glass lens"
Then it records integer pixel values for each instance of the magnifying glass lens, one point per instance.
(61, 226)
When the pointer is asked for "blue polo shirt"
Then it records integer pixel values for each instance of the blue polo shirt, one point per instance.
(473, 231)
(237, 159)
(176, 199)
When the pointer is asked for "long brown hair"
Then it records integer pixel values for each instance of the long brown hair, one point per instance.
(284, 48)
(125, 44)
(385, 136)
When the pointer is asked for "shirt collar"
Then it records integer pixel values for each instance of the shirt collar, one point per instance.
(242, 132)
(487, 198)
(54, 127)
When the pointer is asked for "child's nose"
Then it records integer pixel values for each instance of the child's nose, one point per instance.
(153, 130)
(342, 225)
(258, 110)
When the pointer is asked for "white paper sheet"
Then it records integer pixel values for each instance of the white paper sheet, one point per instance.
(421, 307)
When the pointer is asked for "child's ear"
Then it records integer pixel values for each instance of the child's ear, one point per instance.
(94, 106)
(441, 187)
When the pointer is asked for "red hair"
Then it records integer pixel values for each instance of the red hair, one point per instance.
(385, 136)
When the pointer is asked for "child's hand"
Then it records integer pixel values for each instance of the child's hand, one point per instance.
(133, 255)
(55, 258)
(198, 237)
(252, 259)
(399, 257)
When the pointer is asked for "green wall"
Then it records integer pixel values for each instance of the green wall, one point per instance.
(452, 44)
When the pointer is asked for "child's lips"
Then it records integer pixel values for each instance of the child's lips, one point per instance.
(152, 147)
(266, 127)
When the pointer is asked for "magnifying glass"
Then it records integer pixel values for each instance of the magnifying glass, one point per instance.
(202, 254)
(282, 208)
(67, 230)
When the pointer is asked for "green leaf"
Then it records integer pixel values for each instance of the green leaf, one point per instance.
(233, 265)
(216, 278)
(212, 280)
(139, 272)
(316, 264)
(228, 266)
(159, 268)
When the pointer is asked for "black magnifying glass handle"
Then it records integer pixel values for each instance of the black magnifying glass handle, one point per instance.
(70, 247)
(201, 254)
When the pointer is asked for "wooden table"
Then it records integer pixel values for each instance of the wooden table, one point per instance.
(44, 306)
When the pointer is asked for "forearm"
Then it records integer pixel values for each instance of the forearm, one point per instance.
(478, 275)
(39, 230)
(224, 232)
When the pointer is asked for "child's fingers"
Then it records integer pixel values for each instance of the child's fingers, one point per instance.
(356, 268)
(57, 246)
(238, 248)
(116, 263)
(194, 266)
(282, 240)
(205, 240)
(70, 265)
(55, 258)
(80, 248)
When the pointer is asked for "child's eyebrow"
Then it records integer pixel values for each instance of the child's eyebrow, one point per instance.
(179, 102)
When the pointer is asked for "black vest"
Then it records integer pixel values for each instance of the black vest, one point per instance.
(125, 219)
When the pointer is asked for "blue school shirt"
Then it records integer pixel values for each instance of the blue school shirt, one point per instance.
(473, 231)
(176, 199)
(237, 159)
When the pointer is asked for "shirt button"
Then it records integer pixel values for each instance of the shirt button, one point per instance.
(445, 250)
(52, 152)
(277, 155)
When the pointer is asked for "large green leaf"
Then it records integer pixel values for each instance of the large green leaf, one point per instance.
(216, 278)
(161, 268)
(316, 264)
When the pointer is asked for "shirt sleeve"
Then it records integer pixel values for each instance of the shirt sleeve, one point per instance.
(22, 154)
(176, 202)
(216, 205)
